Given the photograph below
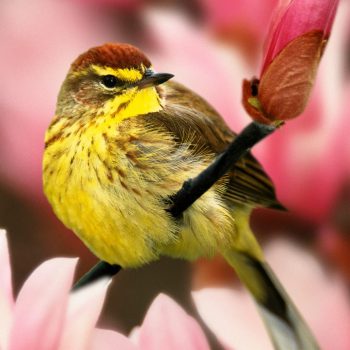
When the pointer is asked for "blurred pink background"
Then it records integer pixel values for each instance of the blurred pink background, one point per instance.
(210, 46)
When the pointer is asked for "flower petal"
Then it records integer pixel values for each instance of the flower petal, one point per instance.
(322, 293)
(230, 313)
(109, 340)
(232, 316)
(84, 308)
(294, 18)
(167, 326)
(41, 306)
(6, 296)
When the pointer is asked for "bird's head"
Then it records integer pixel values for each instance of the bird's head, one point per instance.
(112, 79)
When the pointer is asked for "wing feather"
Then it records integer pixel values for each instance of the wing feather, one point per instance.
(193, 121)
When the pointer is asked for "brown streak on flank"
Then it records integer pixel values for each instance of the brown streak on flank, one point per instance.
(110, 175)
(136, 191)
(53, 139)
(121, 144)
(110, 149)
(120, 172)
(54, 122)
(67, 123)
(72, 159)
(107, 168)
(46, 167)
(112, 55)
(105, 137)
(131, 156)
(99, 158)
(81, 127)
(97, 175)
(132, 138)
(123, 184)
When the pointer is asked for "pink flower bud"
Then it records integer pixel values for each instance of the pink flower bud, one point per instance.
(297, 37)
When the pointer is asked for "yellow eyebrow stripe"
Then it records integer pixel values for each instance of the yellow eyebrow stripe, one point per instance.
(125, 74)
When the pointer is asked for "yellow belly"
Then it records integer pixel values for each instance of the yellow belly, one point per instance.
(118, 225)
(119, 213)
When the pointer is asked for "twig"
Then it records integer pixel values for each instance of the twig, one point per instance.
(192, 189)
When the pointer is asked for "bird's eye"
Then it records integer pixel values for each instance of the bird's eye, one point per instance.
(110, 81)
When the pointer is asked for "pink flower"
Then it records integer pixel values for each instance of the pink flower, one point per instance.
(295, 18)
(166, 326)
(319, 294)
(45, 316)
(294, 48)
(308, 159)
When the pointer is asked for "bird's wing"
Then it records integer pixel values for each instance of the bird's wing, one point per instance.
(191, 119)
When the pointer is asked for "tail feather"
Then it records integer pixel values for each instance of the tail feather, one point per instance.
(284, 323)
(287, 329)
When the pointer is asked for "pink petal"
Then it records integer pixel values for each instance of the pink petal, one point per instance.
(109, 340)
(167, 326)
(84, 308)
(294, 18)
(6, 296)
(309, 154)
(322, 299)
(41, 306)
(233, 317)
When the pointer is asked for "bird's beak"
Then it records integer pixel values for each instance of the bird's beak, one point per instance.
(151, 78)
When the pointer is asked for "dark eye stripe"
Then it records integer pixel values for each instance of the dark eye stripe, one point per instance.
(110, 81)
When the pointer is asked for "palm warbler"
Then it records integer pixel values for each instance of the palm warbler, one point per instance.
(123, 141)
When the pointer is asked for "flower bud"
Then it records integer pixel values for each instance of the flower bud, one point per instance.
(297, 38)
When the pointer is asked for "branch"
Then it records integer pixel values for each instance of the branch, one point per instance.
(192, 189)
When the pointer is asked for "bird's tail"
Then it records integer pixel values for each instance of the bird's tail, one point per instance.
(283, 321)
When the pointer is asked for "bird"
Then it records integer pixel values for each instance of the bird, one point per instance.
(123, 141)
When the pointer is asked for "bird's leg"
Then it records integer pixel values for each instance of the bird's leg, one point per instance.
(100, 270)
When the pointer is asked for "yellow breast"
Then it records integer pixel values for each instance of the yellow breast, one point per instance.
(111, 194)
(95, 190)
